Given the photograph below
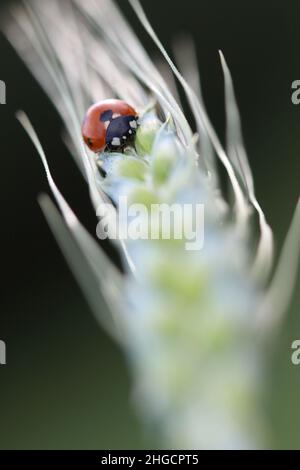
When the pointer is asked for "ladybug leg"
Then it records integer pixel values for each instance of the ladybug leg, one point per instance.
(102, 171)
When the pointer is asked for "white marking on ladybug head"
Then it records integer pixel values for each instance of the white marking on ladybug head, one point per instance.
(116, 115)
(116, 142)
(130, 132)
(124, 137)
(133, 124)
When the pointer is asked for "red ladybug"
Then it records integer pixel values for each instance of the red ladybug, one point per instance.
(109, 125)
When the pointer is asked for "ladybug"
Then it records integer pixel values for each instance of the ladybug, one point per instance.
(109, 125)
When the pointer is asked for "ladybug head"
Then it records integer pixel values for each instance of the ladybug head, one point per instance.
(121, 132)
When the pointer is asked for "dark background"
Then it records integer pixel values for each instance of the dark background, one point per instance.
(66, 383)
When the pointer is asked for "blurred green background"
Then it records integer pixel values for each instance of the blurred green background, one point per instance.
(66, 385)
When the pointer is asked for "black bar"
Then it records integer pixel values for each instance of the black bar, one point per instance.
(134, 459)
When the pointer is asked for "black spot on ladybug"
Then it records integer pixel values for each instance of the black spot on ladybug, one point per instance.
(90, 143)
(106, 116)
